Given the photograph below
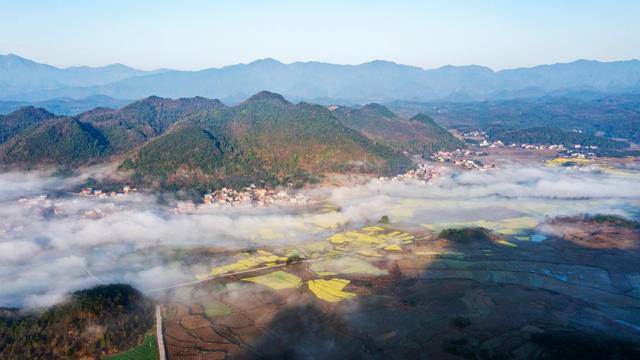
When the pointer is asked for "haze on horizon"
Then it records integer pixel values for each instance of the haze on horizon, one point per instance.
(196, 34)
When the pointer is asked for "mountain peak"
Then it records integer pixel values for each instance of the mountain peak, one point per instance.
(267, 96)
(422, 118)
(153, 99)
(266, 63)
(379, 109)
(32, 111)
(13, 59)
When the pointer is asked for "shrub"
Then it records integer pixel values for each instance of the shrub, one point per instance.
(465, 235)
(461, 322)
(614, 220)
(293, 259)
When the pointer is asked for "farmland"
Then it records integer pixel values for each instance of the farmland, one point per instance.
(337, 290)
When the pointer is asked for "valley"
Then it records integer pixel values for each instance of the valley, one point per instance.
(319, 180)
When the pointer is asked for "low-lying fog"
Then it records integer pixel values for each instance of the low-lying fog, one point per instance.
(51, 247)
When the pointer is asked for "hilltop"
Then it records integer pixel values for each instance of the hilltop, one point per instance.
(21, 119)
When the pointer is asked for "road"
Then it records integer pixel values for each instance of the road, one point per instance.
(159, 335)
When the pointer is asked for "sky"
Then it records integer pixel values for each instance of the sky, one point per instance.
(197, 34)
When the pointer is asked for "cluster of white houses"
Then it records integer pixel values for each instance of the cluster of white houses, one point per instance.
(461, 158)
(252, 195)
(575, 150)
(421, 175)
(126, 190)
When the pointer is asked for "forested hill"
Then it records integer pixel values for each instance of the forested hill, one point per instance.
(418, 135)
(265, 139)
(199, 142)
(21, 119)
(59, 141)
(91, 324)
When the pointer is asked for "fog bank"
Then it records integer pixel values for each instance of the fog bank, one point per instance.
(49, 247)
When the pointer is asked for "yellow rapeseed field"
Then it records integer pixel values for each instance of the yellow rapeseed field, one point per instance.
(330, 290)
(246, 261)
(277, 280)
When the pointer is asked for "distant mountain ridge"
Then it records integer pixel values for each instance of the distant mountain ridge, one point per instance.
(18, 74)
(375, 81)
(66, 106)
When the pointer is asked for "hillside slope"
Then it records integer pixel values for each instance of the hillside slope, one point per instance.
(418, 135)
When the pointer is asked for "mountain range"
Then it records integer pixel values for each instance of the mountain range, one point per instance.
(376, 81)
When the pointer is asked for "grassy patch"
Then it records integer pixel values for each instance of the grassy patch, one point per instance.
(148, 350)
(215, 308)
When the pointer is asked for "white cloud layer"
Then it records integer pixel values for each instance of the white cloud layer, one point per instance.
(44, 255)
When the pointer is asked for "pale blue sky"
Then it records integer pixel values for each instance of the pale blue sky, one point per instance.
(196, 34)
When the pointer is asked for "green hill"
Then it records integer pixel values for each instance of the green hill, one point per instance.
(21, 119)
(418, 135)
(60, 141)
(264, 140)
(132, 125)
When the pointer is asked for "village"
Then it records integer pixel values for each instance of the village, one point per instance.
(574, 150)
(421, 175)
(461, 158)
(253, 196)
(43, 205)
(126, 190)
